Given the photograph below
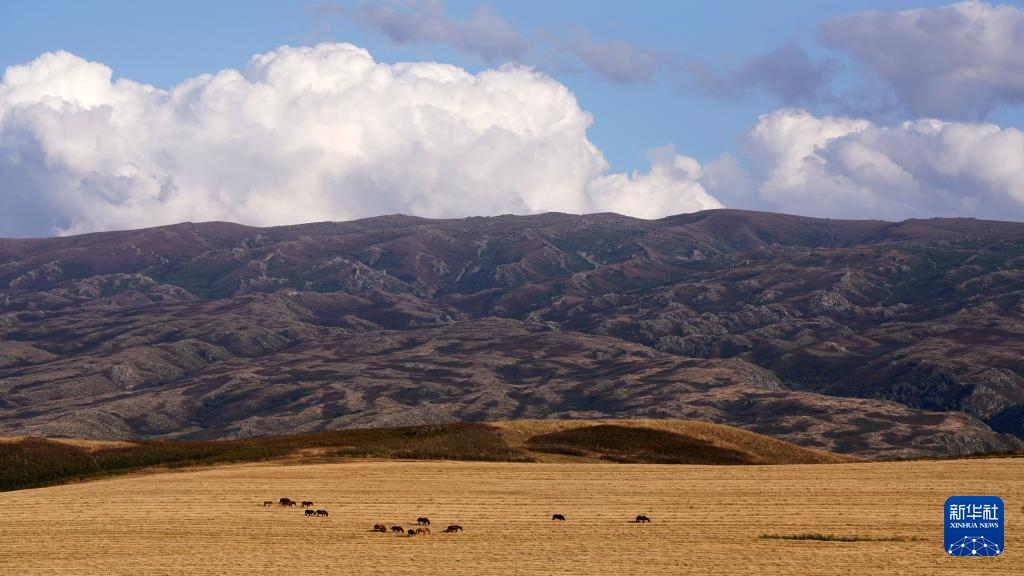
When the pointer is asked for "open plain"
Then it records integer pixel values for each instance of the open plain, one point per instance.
(705, 519)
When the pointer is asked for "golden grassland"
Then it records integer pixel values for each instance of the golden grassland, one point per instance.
(706, 519)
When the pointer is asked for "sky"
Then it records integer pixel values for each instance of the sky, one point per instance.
(119, 114)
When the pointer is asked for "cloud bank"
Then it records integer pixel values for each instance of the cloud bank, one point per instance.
(326, 133)
(853, 168)
(306, 134)
(958, 61)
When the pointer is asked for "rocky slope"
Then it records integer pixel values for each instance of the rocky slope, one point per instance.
(865, 337)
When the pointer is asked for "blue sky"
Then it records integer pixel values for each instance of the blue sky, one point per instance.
(164, 44)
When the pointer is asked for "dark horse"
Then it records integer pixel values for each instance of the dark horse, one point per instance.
(380, 528)
(320, 512)
(310, 513)
(307, 503)
(397, 529)
(558, 517)
(642, 518)
(453, 528)
(287, 502)
(412, 532)
(423, 521)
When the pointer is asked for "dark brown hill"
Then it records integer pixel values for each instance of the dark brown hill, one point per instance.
(867, 337)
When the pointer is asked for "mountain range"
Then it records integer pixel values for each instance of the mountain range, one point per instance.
(869, 338)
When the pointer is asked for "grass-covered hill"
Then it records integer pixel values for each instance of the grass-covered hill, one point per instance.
(33, 462)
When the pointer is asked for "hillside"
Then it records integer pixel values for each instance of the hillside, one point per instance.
(27, 462)
(869, 338)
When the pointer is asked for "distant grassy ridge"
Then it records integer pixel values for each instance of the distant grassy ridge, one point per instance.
(650, 441)
(36, 462)
(636, 445)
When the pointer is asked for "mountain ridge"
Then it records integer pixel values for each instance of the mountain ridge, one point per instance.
(923, 317)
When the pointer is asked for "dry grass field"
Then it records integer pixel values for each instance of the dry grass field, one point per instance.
(706, 519)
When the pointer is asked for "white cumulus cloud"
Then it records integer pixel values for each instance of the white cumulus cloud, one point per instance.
(853, 168)
(306, 134)
(644, 195)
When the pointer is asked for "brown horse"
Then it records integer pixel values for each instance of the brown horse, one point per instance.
(423, 530)
(397, 529)
(558, 517)
(453, 528)
(642, 518)
(423, 521)
(268, 503)
(320, 512)
(307, 503)
(287, 502)
(310, 513)
(380, 528)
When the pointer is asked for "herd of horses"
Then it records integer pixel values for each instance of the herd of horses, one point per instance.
(289, 503)
(422, 527)
(422, 523)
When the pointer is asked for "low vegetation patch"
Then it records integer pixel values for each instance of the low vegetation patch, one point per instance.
(971, 456)
(635, 445)
(836, 538)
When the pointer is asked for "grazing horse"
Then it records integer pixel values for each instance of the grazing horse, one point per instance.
(423, 521)
(380, 528)
(307, 503)
(453, 528)
(286, 502)
(412, 532)
(642, 518)
(310, 513)
(397, 529)
(558, 517)
(320, 512)
(268, 503)
(423, 530)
